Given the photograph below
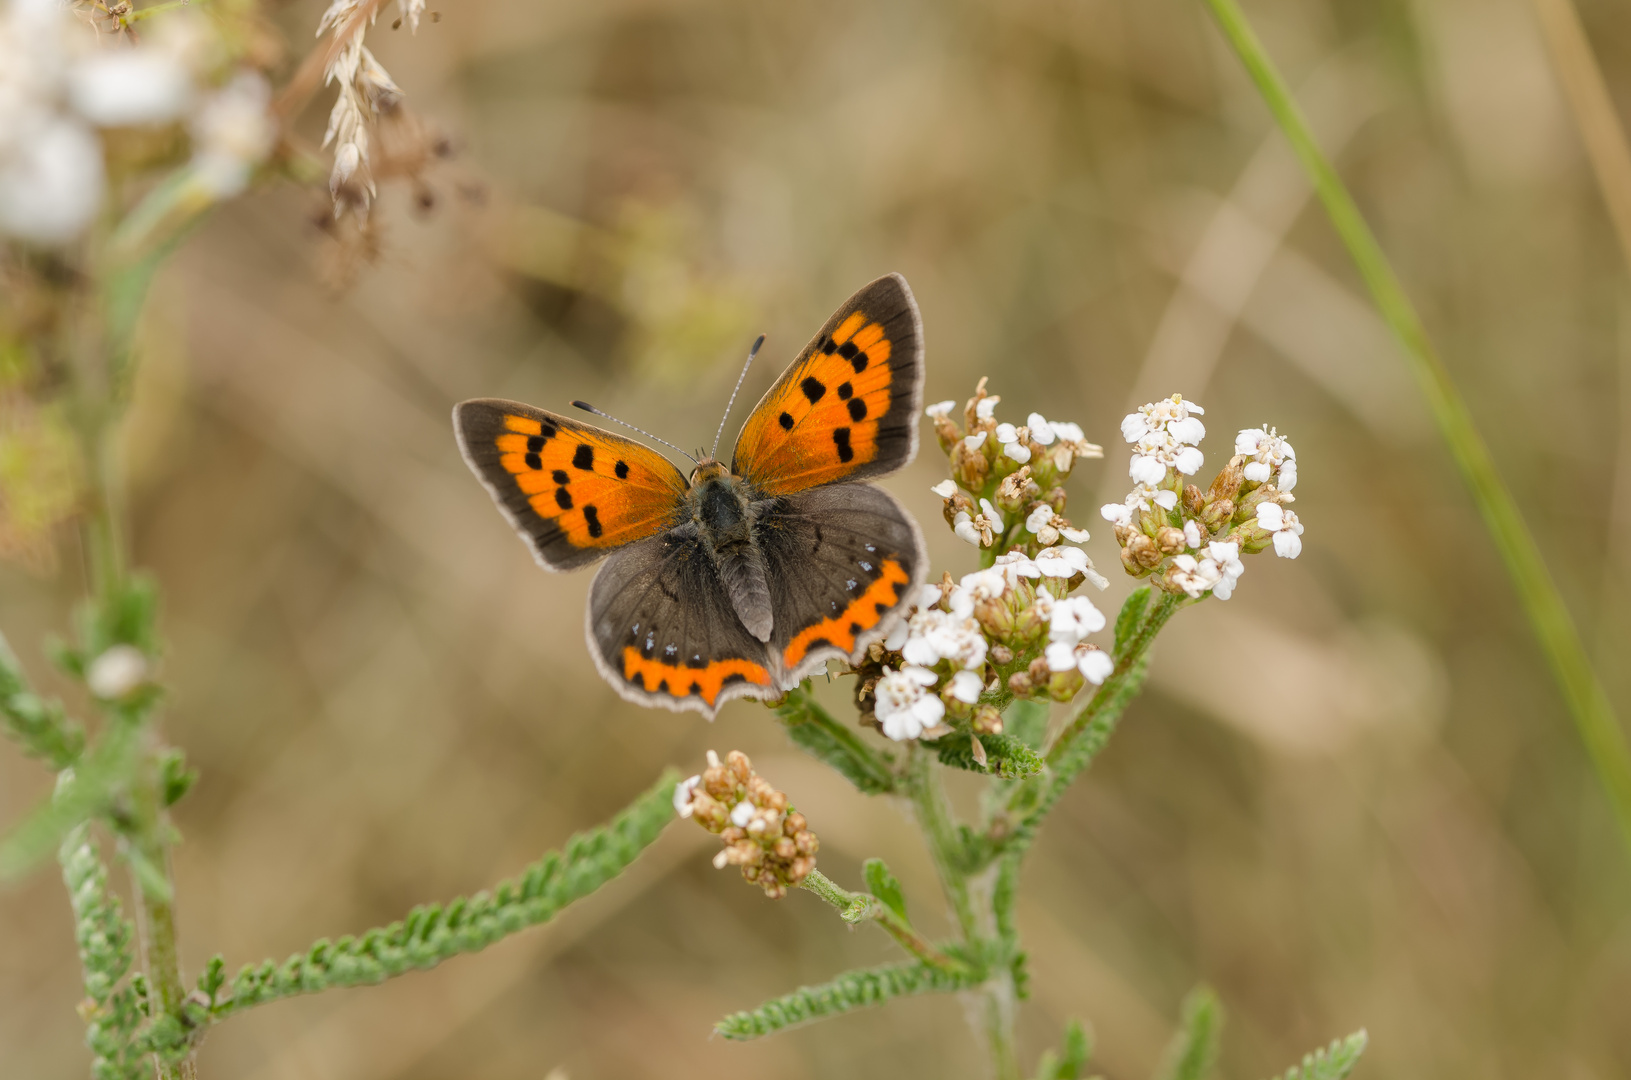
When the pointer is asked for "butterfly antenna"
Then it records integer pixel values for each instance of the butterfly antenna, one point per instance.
(751, 354)
(586, 407)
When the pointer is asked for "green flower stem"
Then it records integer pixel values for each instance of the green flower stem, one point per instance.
(817, 733)
(433, 933)
(854, 907)
(1588, 702)
(928, 797)
(1013, 827)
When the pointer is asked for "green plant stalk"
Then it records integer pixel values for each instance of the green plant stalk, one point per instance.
(1588, 702)
(854, 907)
(933, 812)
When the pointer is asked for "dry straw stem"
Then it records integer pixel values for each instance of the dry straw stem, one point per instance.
(1583, 692)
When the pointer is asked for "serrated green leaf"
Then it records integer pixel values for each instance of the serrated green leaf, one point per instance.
(850, 991)
(1005, 756)
(1132, 614)
(1334, 1062)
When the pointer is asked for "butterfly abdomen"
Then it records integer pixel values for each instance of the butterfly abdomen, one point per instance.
(720, 509)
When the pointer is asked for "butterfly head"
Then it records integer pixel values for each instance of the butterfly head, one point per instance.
(708, 469)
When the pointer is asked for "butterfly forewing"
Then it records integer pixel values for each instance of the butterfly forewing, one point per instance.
(663, 632)
(843, 562)
(572, 490)
(847, 408)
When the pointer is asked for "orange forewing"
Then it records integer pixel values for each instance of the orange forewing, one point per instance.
(846, 408)
(570, 487)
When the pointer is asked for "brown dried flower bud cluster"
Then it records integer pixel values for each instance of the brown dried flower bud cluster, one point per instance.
(771, 842)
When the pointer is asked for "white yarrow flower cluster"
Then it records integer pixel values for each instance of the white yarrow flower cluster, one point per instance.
(1188, 540)
(906, 706)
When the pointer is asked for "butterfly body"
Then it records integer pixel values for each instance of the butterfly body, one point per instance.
(739, 580)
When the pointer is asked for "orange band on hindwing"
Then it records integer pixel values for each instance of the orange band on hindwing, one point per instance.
(680, 680)
(862, 614)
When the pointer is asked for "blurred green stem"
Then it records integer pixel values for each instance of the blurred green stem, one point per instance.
(854, 907)
(1593, 713)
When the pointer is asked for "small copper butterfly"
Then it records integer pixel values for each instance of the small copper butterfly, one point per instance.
(740, 581)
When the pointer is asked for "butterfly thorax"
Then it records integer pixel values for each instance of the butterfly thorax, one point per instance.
(721, 506)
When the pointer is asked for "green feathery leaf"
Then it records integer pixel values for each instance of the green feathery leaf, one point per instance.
(80, 794)
(1334, 1062)
(850, 991)
(115, 1006)
(1132, 614)
(1071, 1060)
(40, 726)
(1005, 756)
(1194, 1049)
(433, 933)
(819, 735)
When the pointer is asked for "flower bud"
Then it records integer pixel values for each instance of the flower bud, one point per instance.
(1226, 485)
(1001, 654)
(1193, 500)
(1017, 491)
(987, 720)
(969, 465)
(1217, 514)
(1171, 541)
(1144, 551)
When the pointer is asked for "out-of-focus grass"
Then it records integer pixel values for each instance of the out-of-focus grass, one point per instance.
(1351, 796)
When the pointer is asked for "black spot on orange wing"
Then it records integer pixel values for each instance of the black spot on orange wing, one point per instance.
(870, 356)
(523, 455)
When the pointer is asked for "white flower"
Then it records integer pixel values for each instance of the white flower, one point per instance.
(1096, 665)
(116, 672)
(966, 530)
(1018, 451)
(1269, 454)
(1016, 565)
(1147, 469)
(945, 489)
(965, 686)
(1117, 513)
(987, 584)
(1165, 499)
(939, 409)
(1060, 655)
(1195, 577)
(1039, 518)
(1189, 461)
(1075, 536)
(1066, 431)
(233, 132)
(1042, 432)
(127, 87)
(1062, 562)
(904, 706)
(1192, 535)
(682, 795)
(990, 513)
(1172, 417)
(928, 596)
(935, 635)
(1074, 618)
(1225, 556)
(742, 813)
(1287, 530)
(1007, 433)
(51, 179)
(897, 636)
(987, 408)
(974, 442)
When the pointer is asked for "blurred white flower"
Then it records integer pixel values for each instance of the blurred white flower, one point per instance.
(1062, 562)
(1269, 455)
(1042, 433)
(1074, 618)
(116, 672)
(945, 489)
(905, 707)
(1096, 665)
(939, 409)
(51, 179)
(129, 87)
(233, 132)
(682, 795)
(987, 408)
(1017, 451)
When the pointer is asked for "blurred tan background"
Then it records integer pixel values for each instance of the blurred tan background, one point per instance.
(1351, 796)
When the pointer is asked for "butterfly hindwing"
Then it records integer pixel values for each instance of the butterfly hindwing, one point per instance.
(573, 491)
(662, 630)
(847, 408)
(843, 563)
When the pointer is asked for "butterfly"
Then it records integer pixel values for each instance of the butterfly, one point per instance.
(738, 581)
